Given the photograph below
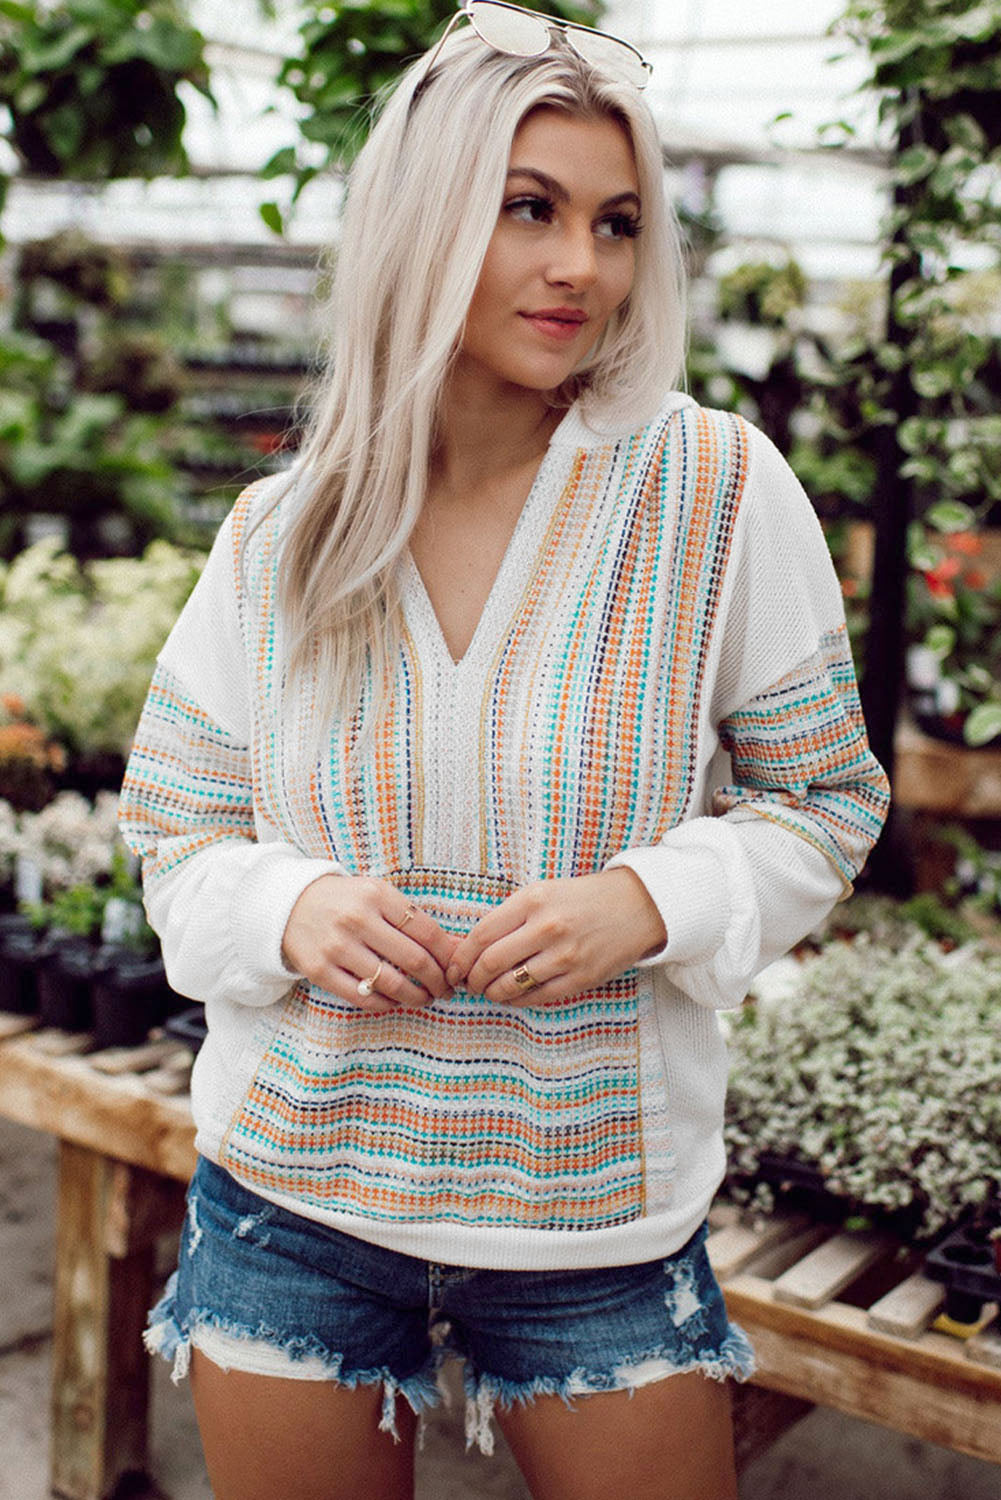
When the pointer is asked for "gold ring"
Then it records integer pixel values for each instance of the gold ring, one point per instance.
(523, 979)
(408, 916)
(366, 986)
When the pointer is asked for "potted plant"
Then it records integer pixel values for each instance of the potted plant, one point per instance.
(879, 1068)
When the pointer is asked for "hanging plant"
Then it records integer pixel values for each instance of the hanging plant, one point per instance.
(91, 86)
(930, 417)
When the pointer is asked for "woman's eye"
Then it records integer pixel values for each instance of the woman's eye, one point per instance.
(530, 210)
(619, 227)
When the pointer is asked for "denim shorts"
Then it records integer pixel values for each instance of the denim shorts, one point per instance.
(269, 1292)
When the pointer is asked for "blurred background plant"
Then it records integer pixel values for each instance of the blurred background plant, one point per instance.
(78, 642)
(91, 86)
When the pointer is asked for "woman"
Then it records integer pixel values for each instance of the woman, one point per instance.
(436, 816)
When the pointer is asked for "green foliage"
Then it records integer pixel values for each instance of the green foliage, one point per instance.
(761, 293)
(349, 54)
(91, 85)
(936, 365)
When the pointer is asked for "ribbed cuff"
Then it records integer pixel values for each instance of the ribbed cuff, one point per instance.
(262, 905)
(688, 886)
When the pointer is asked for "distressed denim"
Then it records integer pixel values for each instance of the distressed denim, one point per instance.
(267, 1291)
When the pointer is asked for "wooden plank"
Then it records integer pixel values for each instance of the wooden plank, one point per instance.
(723, 1213)
(729, 1249)
(926, 1388)
(51, 1042)
(909, 1308)
(118, 1117)
(779, 1257)
(15, 1025)
(100, 1371)
(142, 1059)
(141, 1207)
(826, 1271)
(985, 1347)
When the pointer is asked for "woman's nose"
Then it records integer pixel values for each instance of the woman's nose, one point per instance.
(574, 262)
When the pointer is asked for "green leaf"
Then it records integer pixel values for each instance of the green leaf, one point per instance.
(940, 639)
(951, 515)
(272, 216)
(281, 164)
(983, 724)
(915, 163)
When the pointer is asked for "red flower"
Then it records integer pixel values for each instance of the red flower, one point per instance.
(939, 579)
(966, 542)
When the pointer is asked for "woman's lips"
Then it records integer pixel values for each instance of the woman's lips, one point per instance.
(562, 324)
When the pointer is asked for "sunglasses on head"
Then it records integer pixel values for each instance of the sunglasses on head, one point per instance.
(529, 33)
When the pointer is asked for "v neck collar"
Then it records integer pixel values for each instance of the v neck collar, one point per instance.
(517, 563)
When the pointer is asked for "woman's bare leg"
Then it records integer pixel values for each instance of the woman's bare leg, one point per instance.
(271, 1439)
(670, 1440)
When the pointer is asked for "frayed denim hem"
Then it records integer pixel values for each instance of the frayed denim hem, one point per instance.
(204, 1330)
(735, 1360)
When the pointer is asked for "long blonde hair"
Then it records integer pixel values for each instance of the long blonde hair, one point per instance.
(423, 200)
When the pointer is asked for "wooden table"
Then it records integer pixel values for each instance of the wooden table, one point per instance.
(836, 1320)
(125, 1154)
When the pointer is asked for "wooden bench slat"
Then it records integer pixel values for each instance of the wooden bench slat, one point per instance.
(731, 1248)
(909, 1308)
(826, 1271)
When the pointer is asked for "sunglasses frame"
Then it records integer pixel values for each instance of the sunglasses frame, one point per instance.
(552, 23)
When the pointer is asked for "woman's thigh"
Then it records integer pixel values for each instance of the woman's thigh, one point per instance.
(670, 1440)
(266, 1437)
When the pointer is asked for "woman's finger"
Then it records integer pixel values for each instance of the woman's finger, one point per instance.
(421, 928)
(374, 975)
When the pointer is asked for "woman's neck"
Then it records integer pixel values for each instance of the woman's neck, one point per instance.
(486, 432)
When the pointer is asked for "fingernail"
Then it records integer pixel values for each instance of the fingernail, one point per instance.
(452, 974)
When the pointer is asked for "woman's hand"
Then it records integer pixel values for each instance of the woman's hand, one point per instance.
(558, 938)
(363, 941)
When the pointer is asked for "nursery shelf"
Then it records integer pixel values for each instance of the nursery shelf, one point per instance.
(848, 1321)
(840, 1320)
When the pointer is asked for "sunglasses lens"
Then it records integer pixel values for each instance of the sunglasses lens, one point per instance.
(511, 31)
(608, 54)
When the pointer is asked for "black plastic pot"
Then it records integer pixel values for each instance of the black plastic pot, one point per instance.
(964, 1262)
(19, 945)
(64, 969)
(129, 995)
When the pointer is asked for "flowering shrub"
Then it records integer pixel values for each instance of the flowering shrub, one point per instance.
(27, 758)
(882, 1068)
(955, 615)
(78, 644)
(71, 841)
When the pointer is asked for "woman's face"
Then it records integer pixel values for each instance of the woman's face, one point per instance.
(562, 255)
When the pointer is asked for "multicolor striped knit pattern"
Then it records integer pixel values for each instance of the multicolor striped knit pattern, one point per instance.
(571, 738)
(800, 757)
(570, 731)
(188, 783)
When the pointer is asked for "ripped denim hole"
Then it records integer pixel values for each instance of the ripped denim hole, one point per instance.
(683, 1302)
(249, 1223)
(195, 1230)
